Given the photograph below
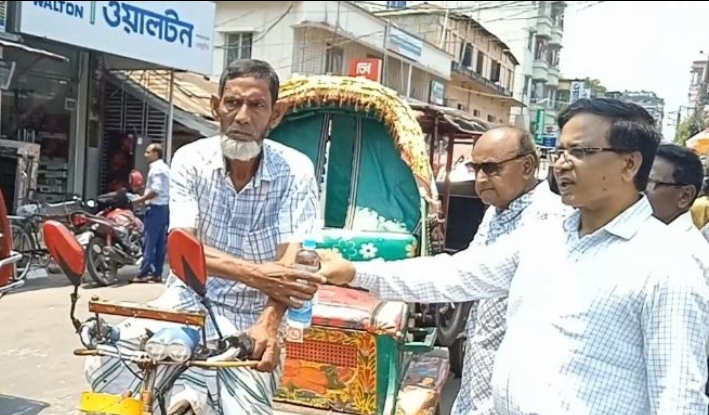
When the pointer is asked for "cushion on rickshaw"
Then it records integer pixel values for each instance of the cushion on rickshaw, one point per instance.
(365, 245)
(353, 309)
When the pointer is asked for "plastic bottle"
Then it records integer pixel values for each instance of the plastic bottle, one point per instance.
(306, 259)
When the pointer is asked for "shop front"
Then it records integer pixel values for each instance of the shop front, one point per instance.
(55, 100)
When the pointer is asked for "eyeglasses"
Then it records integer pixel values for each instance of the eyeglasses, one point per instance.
(491, 168)
(578, 153)
(654, 184)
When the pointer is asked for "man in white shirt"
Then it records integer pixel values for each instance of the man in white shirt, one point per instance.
(674, 184)
(504, 162)
(157, 216)
(606, 311)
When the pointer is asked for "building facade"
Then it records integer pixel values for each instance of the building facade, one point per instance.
(534, 32)
(646, 99)
(53, 85)
(483, 68)
(698, 84)
(330, 37)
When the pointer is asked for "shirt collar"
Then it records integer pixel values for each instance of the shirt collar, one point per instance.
(266, 172)
(624, 226)
(518, 205)
(683, 222)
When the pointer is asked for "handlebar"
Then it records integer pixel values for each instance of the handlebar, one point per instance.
(11, 259)
(141, 358)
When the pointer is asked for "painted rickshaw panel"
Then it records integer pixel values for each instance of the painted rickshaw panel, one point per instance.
(351, 360)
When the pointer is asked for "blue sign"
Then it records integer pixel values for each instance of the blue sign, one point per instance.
(404, 44)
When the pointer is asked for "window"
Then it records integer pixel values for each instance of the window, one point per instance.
(396, 4)
(476, 113)
(480, 64)
(541, 48)
(490, 118)
(467, 55)
(237, 46)
(333, 60)
(525, 87)
(495, 70)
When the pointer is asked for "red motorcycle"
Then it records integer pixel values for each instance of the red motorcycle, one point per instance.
(8, 257)
(115, 234)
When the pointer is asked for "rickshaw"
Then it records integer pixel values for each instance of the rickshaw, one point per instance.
(451, 135)
(361, 356)
(8, 257)
(379, 200)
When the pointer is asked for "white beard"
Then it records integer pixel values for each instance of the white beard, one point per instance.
(240, 150)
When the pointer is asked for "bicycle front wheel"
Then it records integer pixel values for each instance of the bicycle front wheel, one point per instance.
(22, 243)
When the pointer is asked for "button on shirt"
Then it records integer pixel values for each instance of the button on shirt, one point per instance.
(486, 325)
(610, 323)
(278, 206)
(159, 182)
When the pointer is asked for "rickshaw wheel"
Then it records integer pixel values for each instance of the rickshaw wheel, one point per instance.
(449, 323)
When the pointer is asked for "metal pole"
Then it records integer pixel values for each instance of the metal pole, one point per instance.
(408, 82)
(386, 53)
(170, 115)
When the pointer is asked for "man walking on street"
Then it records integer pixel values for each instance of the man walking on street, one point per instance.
(157, 216)
(505, 161)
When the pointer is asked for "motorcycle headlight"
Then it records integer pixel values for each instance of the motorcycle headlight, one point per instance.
(122, 231)
(156, 350)
(179, 352)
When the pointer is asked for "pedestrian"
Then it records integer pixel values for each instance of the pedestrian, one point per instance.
(157, 216)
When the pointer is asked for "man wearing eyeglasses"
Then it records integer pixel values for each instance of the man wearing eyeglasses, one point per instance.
(504, 162)
(674, 184)
(607, 310)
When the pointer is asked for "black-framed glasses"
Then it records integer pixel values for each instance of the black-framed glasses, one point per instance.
(654, 184)
(493, 167)
(579, 153)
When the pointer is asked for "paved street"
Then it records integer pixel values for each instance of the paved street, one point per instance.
(39, 374)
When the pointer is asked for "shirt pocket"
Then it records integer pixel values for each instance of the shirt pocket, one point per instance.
(260, 245)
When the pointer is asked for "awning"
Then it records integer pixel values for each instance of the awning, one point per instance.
(188, 119)
(45, 53)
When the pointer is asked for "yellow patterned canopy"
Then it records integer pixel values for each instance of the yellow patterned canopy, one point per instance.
(367, 96)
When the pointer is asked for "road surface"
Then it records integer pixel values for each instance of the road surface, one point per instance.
(39, 375)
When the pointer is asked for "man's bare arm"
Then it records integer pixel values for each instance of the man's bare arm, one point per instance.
(275, 279)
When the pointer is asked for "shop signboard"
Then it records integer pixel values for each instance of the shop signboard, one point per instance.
(172, 34)
(370, 68)
(405, 44)
(437, 95)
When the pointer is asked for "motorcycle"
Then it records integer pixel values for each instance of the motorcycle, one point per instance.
(8, 257)
(176, 347)
(114, 237)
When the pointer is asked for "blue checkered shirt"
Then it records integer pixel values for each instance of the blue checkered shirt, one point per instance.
(614, 322)
(279, 205)
(487, 321)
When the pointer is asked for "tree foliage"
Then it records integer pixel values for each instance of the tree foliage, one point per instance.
(690, 127)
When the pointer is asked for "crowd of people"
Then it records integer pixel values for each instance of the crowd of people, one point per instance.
(591, 289)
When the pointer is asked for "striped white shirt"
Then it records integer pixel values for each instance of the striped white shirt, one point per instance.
(610, 323)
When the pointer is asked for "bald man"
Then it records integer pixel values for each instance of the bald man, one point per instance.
(505, 162)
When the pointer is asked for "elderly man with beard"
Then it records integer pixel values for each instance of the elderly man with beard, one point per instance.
(250, 201)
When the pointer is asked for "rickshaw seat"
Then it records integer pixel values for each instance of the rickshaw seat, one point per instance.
(366, 245)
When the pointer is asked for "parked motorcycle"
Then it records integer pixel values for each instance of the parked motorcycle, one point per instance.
(177, 347)
(8, 257)
(114, 237)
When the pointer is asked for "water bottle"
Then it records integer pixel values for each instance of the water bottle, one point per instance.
(301, 318)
